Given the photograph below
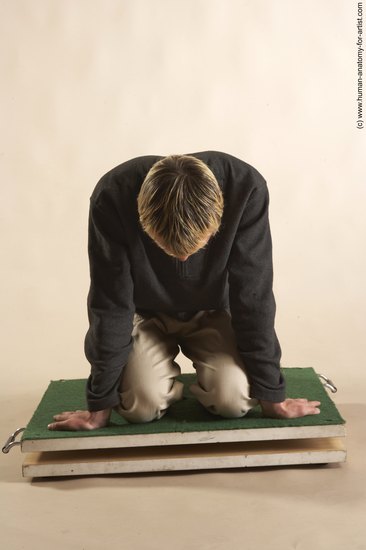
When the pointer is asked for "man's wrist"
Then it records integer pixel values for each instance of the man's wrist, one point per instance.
(100, 417)
(269, 407)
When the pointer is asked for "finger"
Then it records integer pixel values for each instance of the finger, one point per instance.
(63, 425)
(73, 423)
(68, 414)
(309, 410)
(62, 416)
(306, 401)
(298, 409)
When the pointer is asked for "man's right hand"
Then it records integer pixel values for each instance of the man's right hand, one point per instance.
(81, 420)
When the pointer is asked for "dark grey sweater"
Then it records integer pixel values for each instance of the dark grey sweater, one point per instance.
(129, 273)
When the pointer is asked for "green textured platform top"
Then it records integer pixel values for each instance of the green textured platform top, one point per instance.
(183, 416)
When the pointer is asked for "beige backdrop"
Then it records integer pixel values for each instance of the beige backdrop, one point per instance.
(88, 84)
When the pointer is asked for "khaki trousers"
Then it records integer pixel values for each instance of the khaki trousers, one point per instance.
(148, 383)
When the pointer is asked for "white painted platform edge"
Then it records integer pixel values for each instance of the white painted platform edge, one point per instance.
(180, 464)
(182, 438)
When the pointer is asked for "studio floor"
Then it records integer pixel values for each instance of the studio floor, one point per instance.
(298, 507)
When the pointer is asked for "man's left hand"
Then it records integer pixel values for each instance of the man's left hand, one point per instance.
(290, 408)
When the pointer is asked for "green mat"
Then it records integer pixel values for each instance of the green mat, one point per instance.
(187, 415)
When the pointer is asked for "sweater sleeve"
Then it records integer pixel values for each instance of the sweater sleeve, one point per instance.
(110, 305)
(252, 302)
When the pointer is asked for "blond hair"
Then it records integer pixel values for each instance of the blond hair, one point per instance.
(180, 203)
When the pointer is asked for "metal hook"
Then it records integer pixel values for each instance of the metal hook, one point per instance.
(11, 441)
(328, 383)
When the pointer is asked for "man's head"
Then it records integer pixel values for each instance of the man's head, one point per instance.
(180, 205)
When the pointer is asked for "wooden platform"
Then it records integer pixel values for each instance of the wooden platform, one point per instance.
(186, 438)
(185, 457)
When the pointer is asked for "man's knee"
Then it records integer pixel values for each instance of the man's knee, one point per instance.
(229, 407)
(140, 407)
(225, 401)
(145, 405)
(141, 416)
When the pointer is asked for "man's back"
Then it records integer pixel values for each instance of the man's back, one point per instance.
(233, 271)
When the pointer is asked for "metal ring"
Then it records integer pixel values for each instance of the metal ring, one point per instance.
(10, 443)
(328, 383)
